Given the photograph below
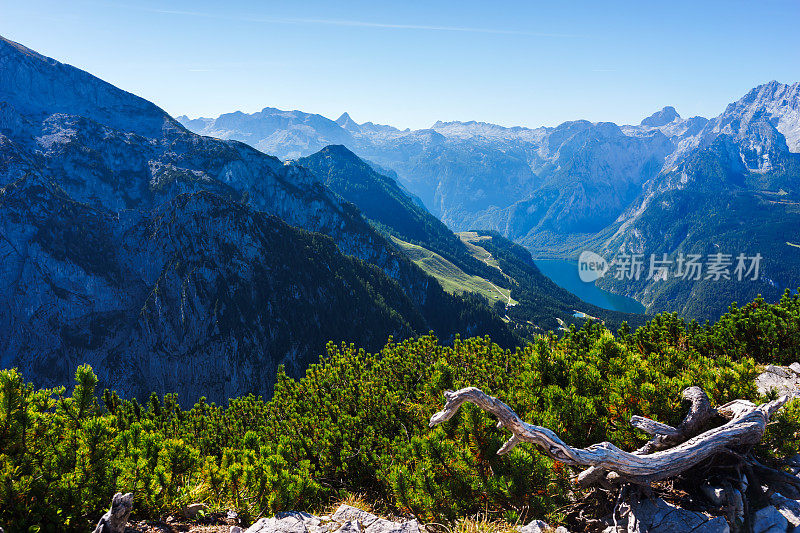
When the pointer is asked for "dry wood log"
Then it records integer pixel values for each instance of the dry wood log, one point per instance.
(700, 414)
(746, 427)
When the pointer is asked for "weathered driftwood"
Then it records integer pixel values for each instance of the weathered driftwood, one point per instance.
(746, 426)
(664, 436)
(117, 516)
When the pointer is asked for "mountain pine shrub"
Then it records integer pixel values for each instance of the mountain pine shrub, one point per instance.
(357, 423)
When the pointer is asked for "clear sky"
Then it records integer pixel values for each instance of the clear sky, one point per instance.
(409, 63)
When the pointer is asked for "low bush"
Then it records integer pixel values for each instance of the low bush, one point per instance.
(357, 423)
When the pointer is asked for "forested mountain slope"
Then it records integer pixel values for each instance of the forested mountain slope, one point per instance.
(167, 260)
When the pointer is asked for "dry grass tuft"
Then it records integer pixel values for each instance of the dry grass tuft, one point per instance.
(477, 524)
(358, 501)
(469, 525)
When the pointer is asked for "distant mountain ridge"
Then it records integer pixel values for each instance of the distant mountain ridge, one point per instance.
(661, 118)
(492, 261)
(737, 193)
(581, 184)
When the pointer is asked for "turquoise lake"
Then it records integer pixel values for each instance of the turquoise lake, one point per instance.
(565, 274)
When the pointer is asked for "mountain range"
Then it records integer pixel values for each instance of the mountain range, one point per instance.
(670, 185)
(176, 262)
(480, 261)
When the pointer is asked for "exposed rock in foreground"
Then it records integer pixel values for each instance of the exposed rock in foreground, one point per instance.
(116, 518)
(781, 379)
(346, 519)
(637, 515)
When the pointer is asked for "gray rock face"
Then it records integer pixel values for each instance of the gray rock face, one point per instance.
(346, 519)
(351, 526)
(535, 526)
(790, 509)
(348, 513)
(780, 379)
(769, 520)
(370, 523)
(42, 86)
(117, 516)
(292, 522)
(387, 526)
(661, 517)
(775, 102)
(779, 371)
(656, 516)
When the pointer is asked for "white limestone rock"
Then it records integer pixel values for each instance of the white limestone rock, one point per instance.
(291, 522)
(117, 516)
(351, 526)
(778, 371)
(370, 523)
(535, 526)
(347, 513)
(388, 526)
(778, 379)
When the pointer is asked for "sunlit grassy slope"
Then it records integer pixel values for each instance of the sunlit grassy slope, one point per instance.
(450, 277)
(471, 240)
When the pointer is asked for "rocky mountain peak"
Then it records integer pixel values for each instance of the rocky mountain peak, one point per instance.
(661, 118)
(36, 85)
(348, 123)
(775, 102)
(340, 151)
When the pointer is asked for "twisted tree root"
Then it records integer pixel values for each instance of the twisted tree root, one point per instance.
(746, 425)
(664, 436)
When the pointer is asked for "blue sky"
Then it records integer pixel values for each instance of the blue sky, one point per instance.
(413, 62)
